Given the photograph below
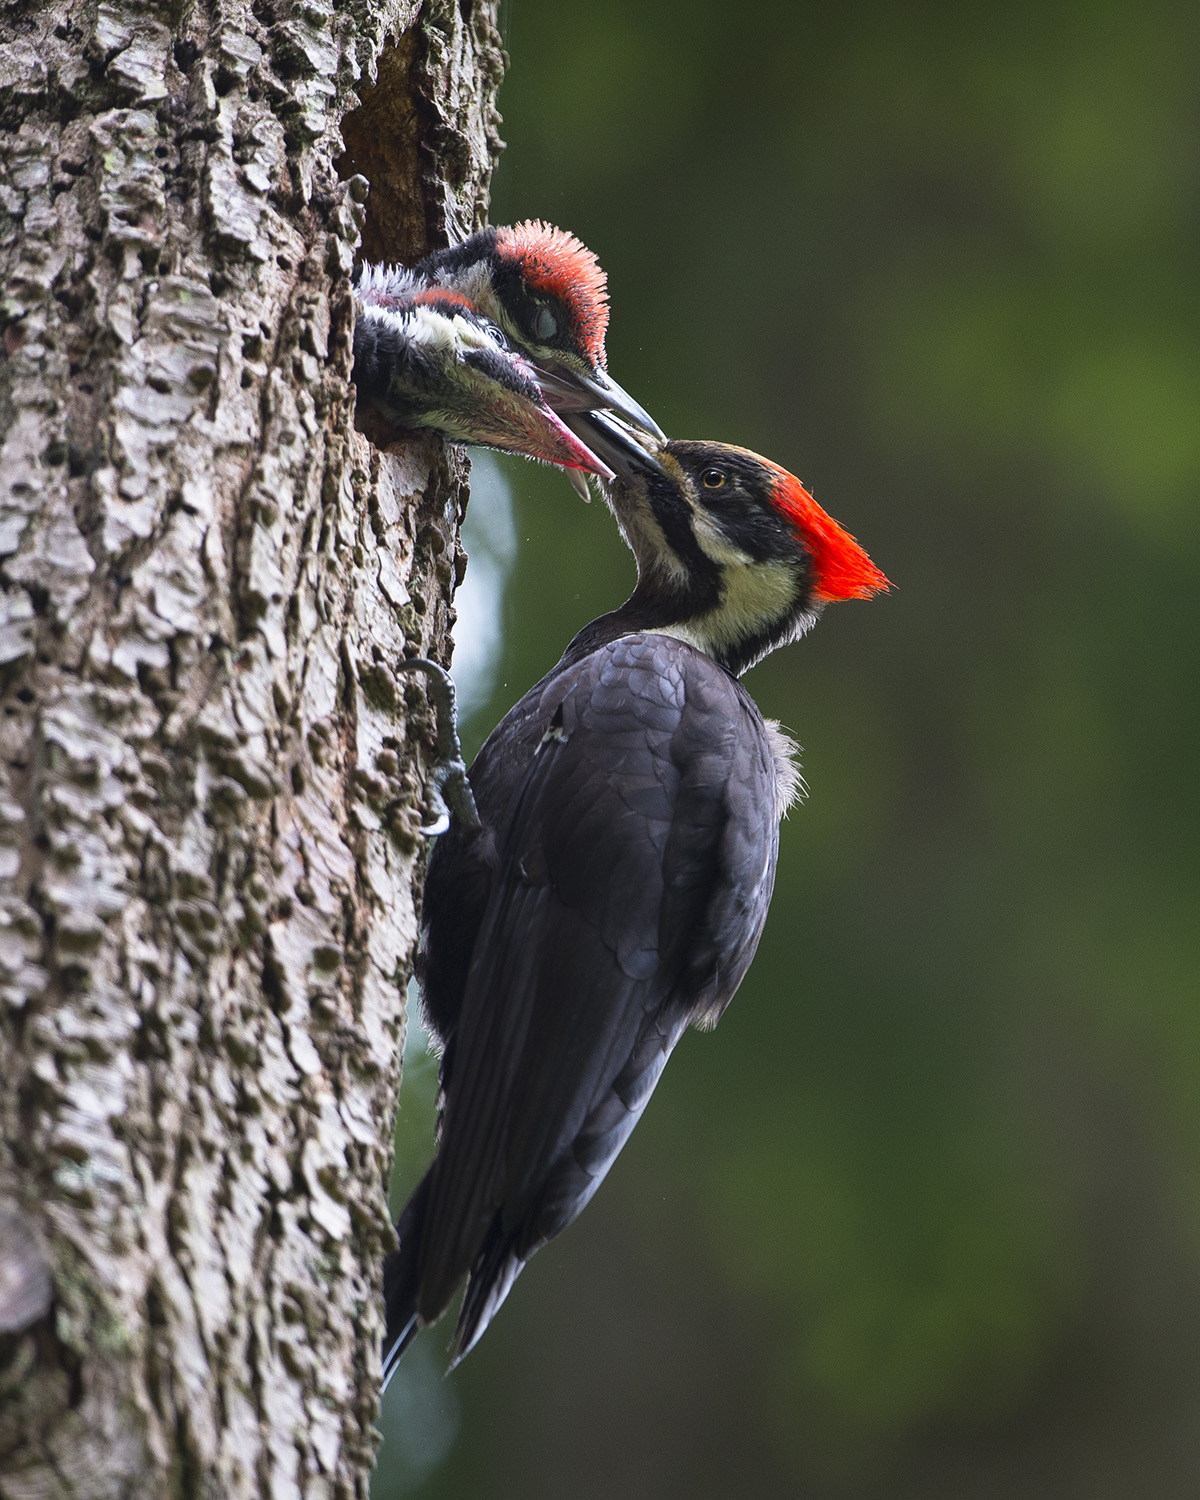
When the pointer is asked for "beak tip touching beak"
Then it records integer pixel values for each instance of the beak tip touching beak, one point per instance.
(615, 444)
(603, 417)
(630, 411)
(581, 459)
(567, 389)
(533, 429)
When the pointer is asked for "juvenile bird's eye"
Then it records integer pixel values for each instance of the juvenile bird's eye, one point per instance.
(712, 479)
(545, 325)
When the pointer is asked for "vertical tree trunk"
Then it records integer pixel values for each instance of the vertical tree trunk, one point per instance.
(207, 826)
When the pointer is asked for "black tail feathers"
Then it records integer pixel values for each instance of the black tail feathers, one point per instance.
(496, 1267)
(402, 1282)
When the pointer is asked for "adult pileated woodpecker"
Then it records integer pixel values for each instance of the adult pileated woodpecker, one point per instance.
(453, 343)
(617, 886)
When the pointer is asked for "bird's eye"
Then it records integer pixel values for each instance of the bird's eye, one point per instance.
(545, 325)
(713, 479)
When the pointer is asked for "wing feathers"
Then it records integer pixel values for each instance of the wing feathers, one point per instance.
(636, 846)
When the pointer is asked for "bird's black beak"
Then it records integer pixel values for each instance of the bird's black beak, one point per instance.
(568, 390)
(628, 456)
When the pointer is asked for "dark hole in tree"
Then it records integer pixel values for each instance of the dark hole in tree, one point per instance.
(385, 143)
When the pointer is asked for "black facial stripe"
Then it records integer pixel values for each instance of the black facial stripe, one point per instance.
(750, 524)
(391, 375)
(379, 349)
(674, 516)
(742, 506)
(503, 372)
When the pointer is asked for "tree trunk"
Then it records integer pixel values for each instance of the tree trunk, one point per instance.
(212, 785)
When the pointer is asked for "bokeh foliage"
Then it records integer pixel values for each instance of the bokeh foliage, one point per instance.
(922, 1217)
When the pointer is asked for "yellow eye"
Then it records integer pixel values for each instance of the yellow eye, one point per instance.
(713, 479)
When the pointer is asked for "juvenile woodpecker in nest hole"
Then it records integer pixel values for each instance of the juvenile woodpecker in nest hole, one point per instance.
(617, 884)
(488, 341)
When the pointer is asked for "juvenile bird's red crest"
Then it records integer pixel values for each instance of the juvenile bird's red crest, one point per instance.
(841, 569)
(556, 262)
(442, 296)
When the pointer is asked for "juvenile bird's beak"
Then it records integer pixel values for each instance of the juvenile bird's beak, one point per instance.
(613, 442)
(566, 389)
(518, 425)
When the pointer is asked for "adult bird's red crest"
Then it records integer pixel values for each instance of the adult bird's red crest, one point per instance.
(841, 569)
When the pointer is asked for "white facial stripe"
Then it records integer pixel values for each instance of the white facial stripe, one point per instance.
(418, 323)
(422, 326)
(646, 540)
(473, 336)
(714, 543)
(441, 333)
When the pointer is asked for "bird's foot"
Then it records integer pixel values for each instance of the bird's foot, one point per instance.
(447, 788)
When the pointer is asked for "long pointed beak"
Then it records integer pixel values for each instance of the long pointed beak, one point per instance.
(517, 425)
(567, 390)
(613, 443)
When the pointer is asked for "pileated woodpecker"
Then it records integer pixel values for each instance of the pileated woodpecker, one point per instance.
(425, 357)
(480, 339)
(549, 294)
(616, 887)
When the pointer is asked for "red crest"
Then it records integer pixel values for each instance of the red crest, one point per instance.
(443, 297)
(841, 569)
(554, 261)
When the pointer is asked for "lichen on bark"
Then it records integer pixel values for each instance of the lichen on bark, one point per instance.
(211, 772)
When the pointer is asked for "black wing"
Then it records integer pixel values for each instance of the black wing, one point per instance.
(626, 899)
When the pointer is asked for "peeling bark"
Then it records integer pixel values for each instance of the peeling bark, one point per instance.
(211, 773)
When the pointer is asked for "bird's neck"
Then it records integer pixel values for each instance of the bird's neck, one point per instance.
(734, 621)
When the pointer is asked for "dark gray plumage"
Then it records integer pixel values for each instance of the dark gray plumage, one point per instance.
(617, 888)
(562, 962)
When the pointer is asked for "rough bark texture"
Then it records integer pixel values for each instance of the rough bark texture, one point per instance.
(207, 828)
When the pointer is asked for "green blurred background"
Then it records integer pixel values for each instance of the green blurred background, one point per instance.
(922, 1218)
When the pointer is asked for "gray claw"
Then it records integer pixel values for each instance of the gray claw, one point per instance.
(447, 789)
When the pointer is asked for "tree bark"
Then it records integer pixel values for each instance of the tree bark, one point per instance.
(211, 771)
